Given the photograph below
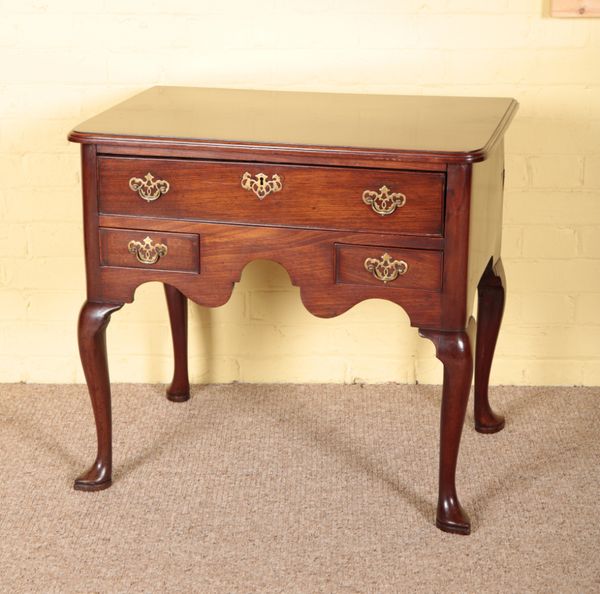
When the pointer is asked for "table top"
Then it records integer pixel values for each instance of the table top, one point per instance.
(463, 125)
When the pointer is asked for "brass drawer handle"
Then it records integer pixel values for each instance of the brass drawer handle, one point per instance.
(385, 268)
(146, 251)
(261, 185)
(384, 202)
(148, 188)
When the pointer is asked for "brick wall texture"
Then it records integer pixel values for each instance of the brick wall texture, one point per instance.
(62, 61)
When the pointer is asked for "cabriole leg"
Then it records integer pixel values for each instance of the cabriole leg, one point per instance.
(93, 320)
(179, 390)
(490, 292)
(453, 349)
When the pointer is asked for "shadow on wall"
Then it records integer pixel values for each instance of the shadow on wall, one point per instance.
(264, 334)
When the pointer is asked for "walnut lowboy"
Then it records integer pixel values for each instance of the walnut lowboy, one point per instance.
(397, 198)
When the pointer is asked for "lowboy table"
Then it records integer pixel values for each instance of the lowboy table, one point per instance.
(357, 196)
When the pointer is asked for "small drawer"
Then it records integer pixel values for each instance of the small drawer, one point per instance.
(152, 250)
(335, 198)
(394, 268)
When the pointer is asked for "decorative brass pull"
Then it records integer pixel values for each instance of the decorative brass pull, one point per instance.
(385, 269)
(384, 202)
(146, 251)
(261, 185)
(148, 188)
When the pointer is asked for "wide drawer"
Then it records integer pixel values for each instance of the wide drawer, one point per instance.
(152, 250)
(375, 200)
(394, 268)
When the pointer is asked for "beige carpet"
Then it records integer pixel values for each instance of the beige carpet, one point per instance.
(278, 488)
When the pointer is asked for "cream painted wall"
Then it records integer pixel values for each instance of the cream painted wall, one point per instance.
(61, 61)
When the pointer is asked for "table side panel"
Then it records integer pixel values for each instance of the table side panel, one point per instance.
(485, 227)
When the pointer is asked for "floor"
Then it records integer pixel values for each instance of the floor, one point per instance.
(297, 488)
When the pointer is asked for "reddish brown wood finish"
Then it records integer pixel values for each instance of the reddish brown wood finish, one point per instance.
(317, 228)
(179, 390)
(490, 308)
(307, 255)
(424, 267)
(93, 319)
(311, 197)
(453, 349)
(248, 153)
(182, 250)
(242, 124)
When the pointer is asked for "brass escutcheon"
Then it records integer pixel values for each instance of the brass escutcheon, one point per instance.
(146, 251)
(385, 268)
(260, 184)
(148, 188)
(384, 202)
